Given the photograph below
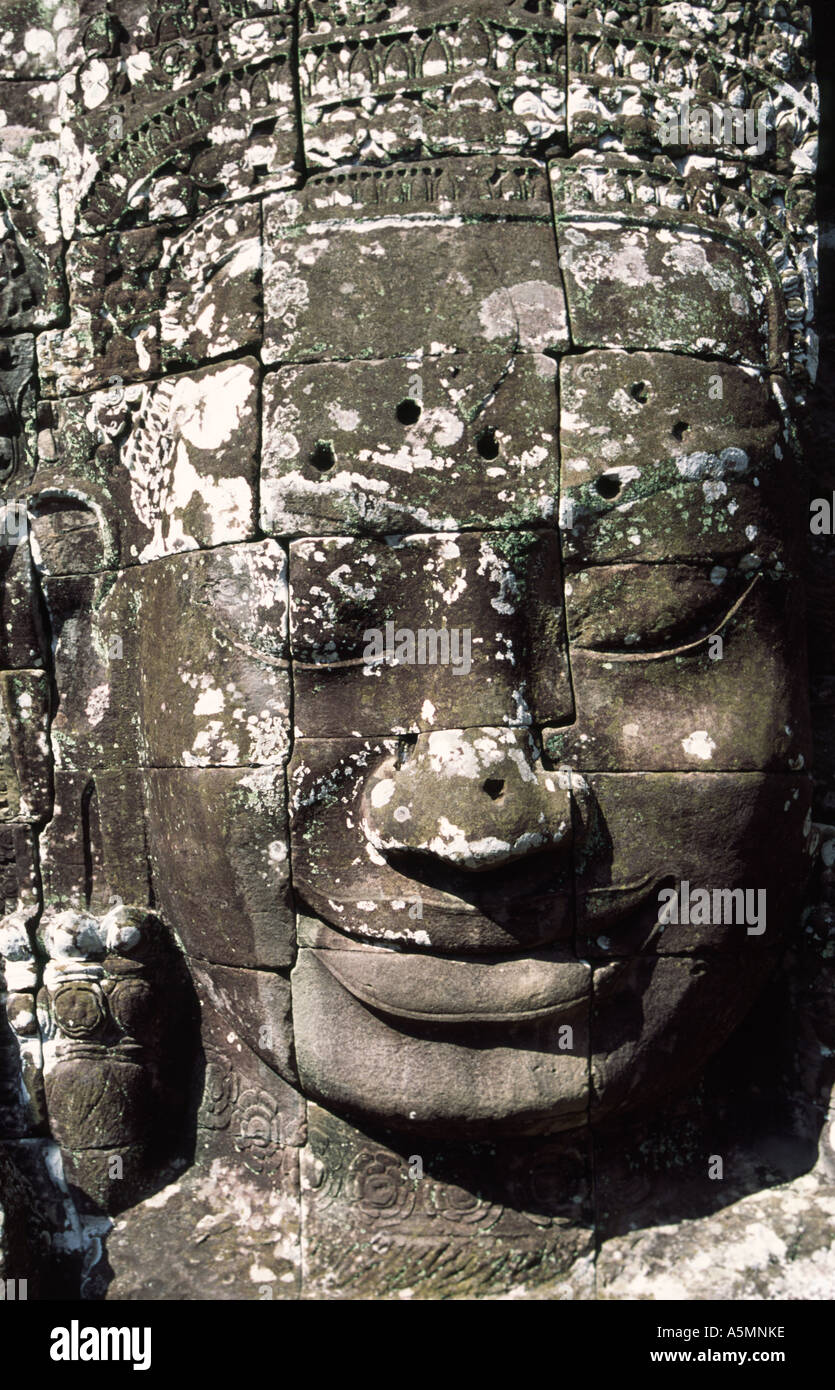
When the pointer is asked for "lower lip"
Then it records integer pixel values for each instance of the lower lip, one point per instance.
(438, 989)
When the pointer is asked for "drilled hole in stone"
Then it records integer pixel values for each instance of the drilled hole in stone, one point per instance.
(408, 412)
(639, 391)
(322, 456)
(679, 429)
(487, 445)
(608, 485)
(405, 748)
(494, 788)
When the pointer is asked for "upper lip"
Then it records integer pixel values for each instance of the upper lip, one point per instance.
(533, 918)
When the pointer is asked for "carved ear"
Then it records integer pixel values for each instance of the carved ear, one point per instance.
(70, 534)
(93, 847)
(25, 764)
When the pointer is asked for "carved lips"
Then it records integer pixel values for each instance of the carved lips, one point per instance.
(493, 990)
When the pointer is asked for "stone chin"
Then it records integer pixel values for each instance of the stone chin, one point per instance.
(446, 1079)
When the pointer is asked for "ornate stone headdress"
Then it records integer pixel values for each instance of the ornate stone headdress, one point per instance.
(225, 101)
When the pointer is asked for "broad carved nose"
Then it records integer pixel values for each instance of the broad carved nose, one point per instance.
(473, 798)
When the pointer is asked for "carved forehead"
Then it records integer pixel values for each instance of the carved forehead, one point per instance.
(461, 255)
(456, 298)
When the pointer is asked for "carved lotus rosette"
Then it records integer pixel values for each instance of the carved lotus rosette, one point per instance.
(380, 1186)
(258, 1136)
(220, 1092)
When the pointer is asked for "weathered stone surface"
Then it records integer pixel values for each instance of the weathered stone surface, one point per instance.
(215, 1233)
(644, 1010)
(115, 283)
(368, 620)
(212, 298)
(28, 1221)
(247, 1115)
(735, 1174)
(689, 704)
(436, 1079)
(700, 291)
(18, 871)
(217, 839)
(22, 638)
(474, 78)
(94, 849)
(70, 847)
(171, 466)
(116, 1059)
(96, 669)
(379, 447)
(163, 149)
(67, 537)
(148, 299)
(40, 38)
(523, 376)
(26, 750)
(22, 1104)
(32, 288)
(226, 698)
(457, 256)
(17, 416)
(257, 1005)
(774, 1245)
(444, 1220)
(669, 458)
(631, 71)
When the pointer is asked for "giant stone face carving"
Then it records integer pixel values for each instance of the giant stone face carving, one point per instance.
(414, 602)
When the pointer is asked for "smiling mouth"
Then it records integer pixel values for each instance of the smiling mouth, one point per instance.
(552, 985)
(450, 989)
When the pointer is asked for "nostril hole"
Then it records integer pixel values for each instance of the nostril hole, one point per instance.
(639, 391)
(679, 429)
(322, 455)
(487, 444)
(494, 788)
(408, 412)
(608, 485)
